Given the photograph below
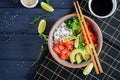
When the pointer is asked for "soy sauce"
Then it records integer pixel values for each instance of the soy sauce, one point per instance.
(102, 7)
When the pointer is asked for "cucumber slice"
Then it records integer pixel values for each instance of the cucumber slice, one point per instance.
(69, 38)
(88, 69)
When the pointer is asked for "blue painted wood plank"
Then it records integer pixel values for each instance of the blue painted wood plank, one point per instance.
(14, 20)
(14, 70)
(16, 46)
(54, 3)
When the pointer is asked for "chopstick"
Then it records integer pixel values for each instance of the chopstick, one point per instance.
(93, 47)
(84, 28)
(89, 50)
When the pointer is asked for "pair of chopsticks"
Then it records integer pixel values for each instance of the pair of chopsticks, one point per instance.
(92, 51)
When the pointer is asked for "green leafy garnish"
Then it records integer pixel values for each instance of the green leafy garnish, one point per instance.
(47, 1)
(45, 37)
(41, 52)
(74, 25)
(35, 20)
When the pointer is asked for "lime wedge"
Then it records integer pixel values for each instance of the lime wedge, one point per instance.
(69, 38)
(47, 7)
(42, 26)
(88, 69)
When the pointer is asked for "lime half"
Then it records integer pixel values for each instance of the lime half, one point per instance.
(88, 69)
(47, 7)
(42, 26)
(69, 38)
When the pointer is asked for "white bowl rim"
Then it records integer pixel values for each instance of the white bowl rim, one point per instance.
(108, 15)
(32, 6)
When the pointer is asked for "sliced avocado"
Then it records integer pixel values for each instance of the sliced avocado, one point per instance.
(73, 54)
(86, 48)
(76, 44)
(85, 55)
(78, 58)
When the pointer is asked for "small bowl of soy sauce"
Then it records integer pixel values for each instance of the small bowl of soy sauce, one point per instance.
(102, 8)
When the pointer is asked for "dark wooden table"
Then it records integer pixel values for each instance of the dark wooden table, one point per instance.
(20, 43)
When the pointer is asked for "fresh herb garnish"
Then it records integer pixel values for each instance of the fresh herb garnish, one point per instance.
(45, 37)
(47, 1)
(41, 52)
(35, 20)
(74, 25)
